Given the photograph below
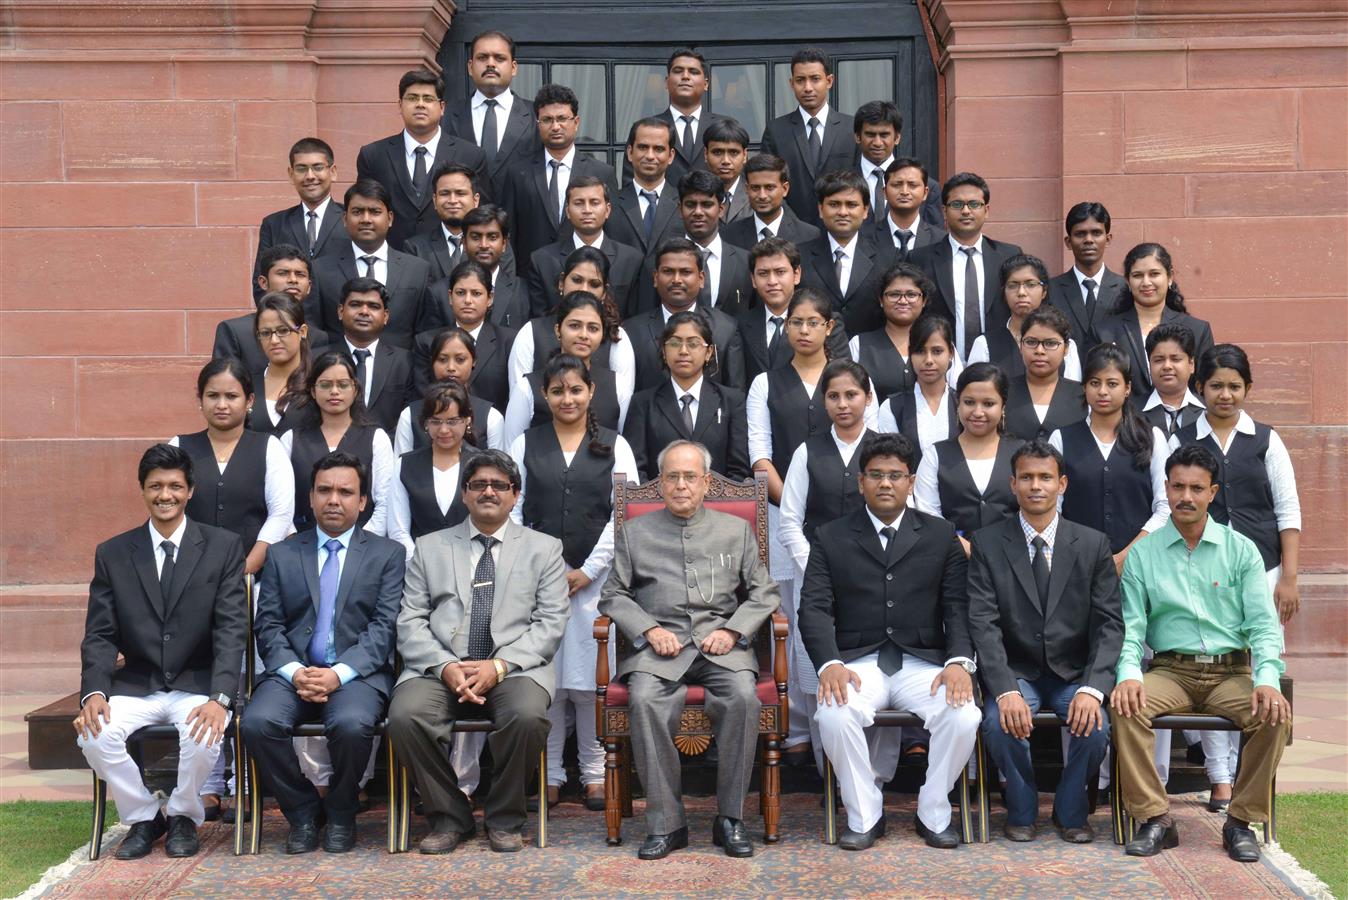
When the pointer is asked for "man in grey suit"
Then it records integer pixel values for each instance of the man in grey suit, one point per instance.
(484, 609)
(684, 615)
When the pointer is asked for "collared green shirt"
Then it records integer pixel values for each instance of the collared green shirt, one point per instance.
(1214, 600)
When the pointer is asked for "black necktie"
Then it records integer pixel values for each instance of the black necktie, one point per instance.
(888, 533)
(973, 327)
(905, 238)
(489, 139)
(480, 644)
(689, 137)
(419, 172)
(554, 192)
(362, 370)
(687, 401)
(1089, 284)
(816, 143)
(775, 342)
(369, 265)
(648, 219)
(765, 233)
(1039, 565)
(313, 231)
(881, 203)
(704, 295)
(166, 571)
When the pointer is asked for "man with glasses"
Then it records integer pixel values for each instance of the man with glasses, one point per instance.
(285, 270)
(483, 612)
(691, 616)
(883, 616)
(309, 223)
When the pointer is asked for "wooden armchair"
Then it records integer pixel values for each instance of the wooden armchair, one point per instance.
(749, 501)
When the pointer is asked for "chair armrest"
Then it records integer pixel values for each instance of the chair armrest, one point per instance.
(780, 630)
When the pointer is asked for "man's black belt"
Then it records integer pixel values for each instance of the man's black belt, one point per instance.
(1234, 658)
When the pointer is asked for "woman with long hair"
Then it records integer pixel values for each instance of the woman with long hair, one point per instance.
(452, 354)
(928, 411)
(284, 337)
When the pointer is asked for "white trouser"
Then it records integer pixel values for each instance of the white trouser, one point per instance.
(800, 685)
(573, 708)
(465, 757)
(316, 763)
(954, 731)
(107, 755)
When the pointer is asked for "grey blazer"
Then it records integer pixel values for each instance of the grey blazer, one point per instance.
(529, 611)
(687, 576)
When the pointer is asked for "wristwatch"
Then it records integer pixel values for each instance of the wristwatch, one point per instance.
(966, 665)
(223, 700)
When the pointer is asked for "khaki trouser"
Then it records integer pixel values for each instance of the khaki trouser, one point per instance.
(1187, 687)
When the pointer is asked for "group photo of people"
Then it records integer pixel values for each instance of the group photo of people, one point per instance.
(995, 490)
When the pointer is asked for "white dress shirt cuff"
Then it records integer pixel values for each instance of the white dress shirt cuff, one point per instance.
(831, 662)
(960, 660)
(288, 671)
(1085, 689)
(86, 697)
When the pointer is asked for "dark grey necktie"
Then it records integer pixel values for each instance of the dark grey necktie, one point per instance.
(973, 327)
(166, 570)
(1039, 565)
(687, 402)
(312, 228)
(704, 297)
(1089, 284)
(881, 203)
(489, 138)
(369, 265)
(648, 219)
(775, 342)
(816, 141)
(419, 172)
(838, 256)
(454, 248)
(554, 191)
(905, 238)
(480, 644)
(765, 233)
(689, 135)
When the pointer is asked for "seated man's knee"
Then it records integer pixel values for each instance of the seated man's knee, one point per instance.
(741, 694)
(349, 726)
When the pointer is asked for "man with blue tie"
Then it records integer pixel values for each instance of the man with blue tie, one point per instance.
(326, 623)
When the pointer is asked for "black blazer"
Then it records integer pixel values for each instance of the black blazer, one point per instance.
(1075, 635)
(369, 596)
(856, 597)
(490, 378)
(741, 231)
(936, 260)
(655, 419)
(785, 136)
(860, 306)
(518, 140)
(752, 324)
(392, 389)
(525, 196)
(432, 247)
(683, 163)
(385, 161)
(1124, 331)
(545, 267)
(645, 329)
(235, 337)
(509, 301)
(1067, 406)
(192, 642)
(734, 293)
(627, 226)
(929, 230)
(288, 226)
(408, 281)
(1065, 293)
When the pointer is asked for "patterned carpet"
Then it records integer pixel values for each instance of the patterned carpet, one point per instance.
(577, 863)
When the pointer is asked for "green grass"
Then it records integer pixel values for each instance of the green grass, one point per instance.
(1310, 827)
(35, 836)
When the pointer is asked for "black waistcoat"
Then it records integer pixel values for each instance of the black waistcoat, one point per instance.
(604, 404)
(481, 409)
(833, 491)
(793, 415)
(418, 480)
(890, 372)
(1107, 494)
(961, 504)
(571, 503)
(237, 500)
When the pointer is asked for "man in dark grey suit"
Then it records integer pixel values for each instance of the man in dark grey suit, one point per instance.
(767, 184)
(285, 271)
(483, 613)
(326, 621)
(456, 195)
(1087, 292)
(905, 218)
(813, 139)
(691, 617)
(495, 118)
(310, 224)
(647, 205)
(687, 79)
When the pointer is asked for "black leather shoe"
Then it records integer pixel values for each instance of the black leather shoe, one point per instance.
(438, 842)
(941, 840)
(339, 838)
(303, 838)
(1021, 834)
(1218, 806)
(1152, 838)
(182, 837)
(862, 840)
(140, 839)
(1239, 842)
(731, 835)
(658, 846)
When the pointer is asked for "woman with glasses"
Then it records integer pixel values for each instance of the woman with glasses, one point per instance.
(336, 419)
(1024, 288)
(885, 352)
(688, 406)
(928, 411)
(1042, 400)
(567, 464)
(424, 491)
(284, 337)
(452, 354)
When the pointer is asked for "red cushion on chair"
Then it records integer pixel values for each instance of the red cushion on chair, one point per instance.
(766, 689)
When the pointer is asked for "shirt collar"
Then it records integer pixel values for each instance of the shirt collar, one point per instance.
(1049, 534)
(579, 242)
(504, 100)
(569, 160)
(665, 313)
(1190, 399)
(1082, 276)
(772, 226)
(352, 348)
(868, 168)
(1170, 534)
(849, 248)
(381, 253)
(877, 524)
(345, 537)
(956, 247)
(499, 534)
(1244, 425)
(833, 431)
(449, 235)
(696, 114)
(805, 117)
(410, 146)
(914, 228)
(176, 538)
(695, 390)
(321, 208)
(657, 190)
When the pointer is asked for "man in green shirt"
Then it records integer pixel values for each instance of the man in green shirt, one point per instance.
(1195, 592)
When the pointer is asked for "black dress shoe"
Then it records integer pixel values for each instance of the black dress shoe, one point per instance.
(182, 837)
(941, 840)
(141, 838)
(303, 838)
(731, 835)
(862, 840)
(212, 808)
(339, 838)
(658, 846)
(1152, 838)
(1239, 842)
(1021, 834)
(1218, 806)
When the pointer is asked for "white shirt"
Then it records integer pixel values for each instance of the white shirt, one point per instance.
(278, 491)
(772, 226)
(320, 211)
(505, 101)
(454, 241)
(711, 254)
(796, 493)
(1082, 276)
(1160, 506)
(849, 256)
(520, 409)
(770, 328)
(380, 262)
(621, 360)
(1190, 399)
(381, 471)
(805, 117)
(1071, 362)
(351, 348)
(642, 202)
(957, 265)
(563, 172)
(446, 484)
(760, 422)
(931, 426)
(410, 146)
(403, 440)
(891, 227)
(679, 124)
(732, 191)
(157, 540)
(869, 171)
(578, 241)
(1282, 480)
(695, 390)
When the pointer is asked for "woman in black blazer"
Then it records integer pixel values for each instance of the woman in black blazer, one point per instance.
(451, 358)
(655, 417)
(1041, 400)
(281, 331)
(928, 411)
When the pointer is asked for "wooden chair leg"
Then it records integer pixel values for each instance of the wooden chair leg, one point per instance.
(771, 789)
(543, 797)
(830, 804)
(394, 816)
(99, 812)
(613, 814)
(628, 769)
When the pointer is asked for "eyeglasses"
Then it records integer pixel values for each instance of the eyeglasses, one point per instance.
(891, 477)
(451, 422)
(342, 385)
(1036, 343)
(549, 121)
(477, 486)
(961, 205)
(681, 477)
(906, 296)
(805, 324)
(281, 333)
(420, 98)
(317, 169)
(693, 344)
(1015, 287)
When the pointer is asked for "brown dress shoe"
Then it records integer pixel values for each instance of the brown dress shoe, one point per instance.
(443, 841)
(505, 841)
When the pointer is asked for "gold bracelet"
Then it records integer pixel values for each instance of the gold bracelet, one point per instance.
(500, 669)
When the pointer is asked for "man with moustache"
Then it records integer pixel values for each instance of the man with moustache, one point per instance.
(687, 80)
(495, 118)
(456, 195)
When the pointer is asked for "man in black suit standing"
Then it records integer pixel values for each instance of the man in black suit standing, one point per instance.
(1087, 292)
(878, 129)
(813, 139)
(384, 370)
(966, 267)
(678, 279)
(774, 270)
(168, 597)
(311, 223)
(404, 161)
(456, 195)
(369, 218)
(767, 183)
(903, 218)
(847, 262)
(1047, 622)
(727, 150)
(495, 118)
(587, 210)
(647, 213)
(326, 624)
(687, 78)
(535, 189)
(884, 618)
(285, 271)
(725, 284)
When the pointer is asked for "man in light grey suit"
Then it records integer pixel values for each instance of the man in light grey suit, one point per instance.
(484, 609)
(683, 614)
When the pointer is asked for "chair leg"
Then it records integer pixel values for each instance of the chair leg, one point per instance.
(404, 808)
(394, 816)
(1119, 818)
(983, 771)
(770, 791)
(543, 797)
(254, 809)
(99, 813)
(1271, 826)
(613, 814)
(627, 771)
(830, 804)
(240, 791)
(967, 834)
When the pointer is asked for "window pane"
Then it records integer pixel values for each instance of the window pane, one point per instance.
(783, 101)
(588, 83)
(863, 80)
(740, 91)
(527, 81)
(638, 91)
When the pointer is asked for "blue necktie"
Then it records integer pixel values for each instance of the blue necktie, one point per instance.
(327, 606)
